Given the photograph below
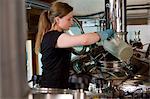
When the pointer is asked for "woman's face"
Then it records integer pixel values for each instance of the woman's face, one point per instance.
(65, 22)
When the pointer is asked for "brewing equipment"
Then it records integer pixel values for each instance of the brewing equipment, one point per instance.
(98, 67)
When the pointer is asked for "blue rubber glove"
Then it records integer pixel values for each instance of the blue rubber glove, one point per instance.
(106, 34)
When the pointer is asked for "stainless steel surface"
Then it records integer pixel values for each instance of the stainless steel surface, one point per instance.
(50, 93)
(117, 16)
(52, 96)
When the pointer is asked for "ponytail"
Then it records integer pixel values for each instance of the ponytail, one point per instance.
(43, 26)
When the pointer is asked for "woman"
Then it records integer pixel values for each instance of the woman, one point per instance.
(54, 44)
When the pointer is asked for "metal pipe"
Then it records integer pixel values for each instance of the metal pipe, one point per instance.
(125, 20)
(37, 4)
(107, 12)
(116, 16)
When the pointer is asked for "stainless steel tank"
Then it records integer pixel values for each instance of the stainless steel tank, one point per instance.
(51, 93)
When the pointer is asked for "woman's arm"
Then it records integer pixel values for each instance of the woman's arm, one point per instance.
(66, 40)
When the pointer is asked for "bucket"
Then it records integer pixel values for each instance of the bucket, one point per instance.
(119, 48)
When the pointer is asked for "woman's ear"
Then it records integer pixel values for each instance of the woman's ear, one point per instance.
(57, 19)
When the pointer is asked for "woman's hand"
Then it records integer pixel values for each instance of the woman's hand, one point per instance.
(106, 34)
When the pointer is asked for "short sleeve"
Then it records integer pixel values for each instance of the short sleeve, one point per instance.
(50, 39)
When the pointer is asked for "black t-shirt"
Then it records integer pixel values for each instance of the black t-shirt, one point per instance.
(56, 62)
